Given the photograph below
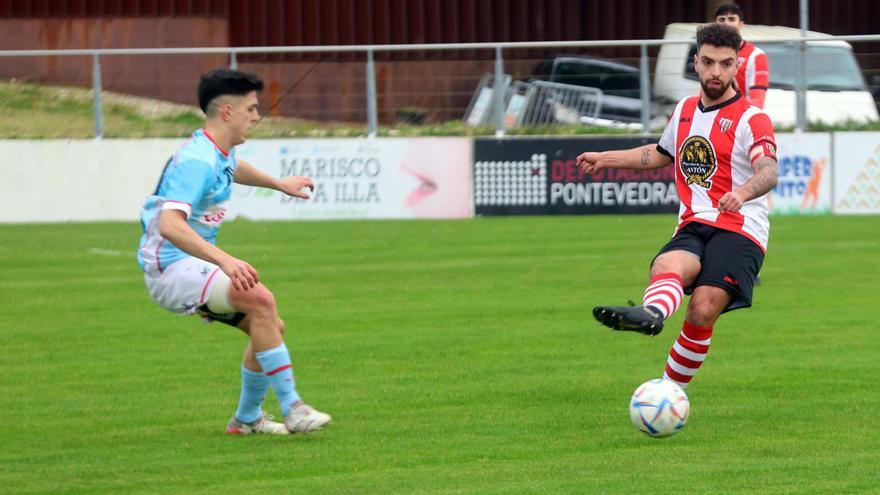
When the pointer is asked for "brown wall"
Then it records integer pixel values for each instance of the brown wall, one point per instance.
(112, 8)
(167, 77)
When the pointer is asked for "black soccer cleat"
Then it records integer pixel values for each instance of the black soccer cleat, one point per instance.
(642, 319)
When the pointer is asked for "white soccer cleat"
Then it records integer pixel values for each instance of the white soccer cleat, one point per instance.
(263, 425)
(304, 418)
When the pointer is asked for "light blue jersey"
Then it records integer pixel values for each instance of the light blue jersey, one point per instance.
(198, 181)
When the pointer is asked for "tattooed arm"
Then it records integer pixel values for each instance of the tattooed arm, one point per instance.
(642, 158)
(762, 182)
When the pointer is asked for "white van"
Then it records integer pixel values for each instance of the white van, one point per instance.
(836, 91)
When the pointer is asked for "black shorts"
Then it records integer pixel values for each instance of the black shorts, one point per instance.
(729, 260)
(231, 319)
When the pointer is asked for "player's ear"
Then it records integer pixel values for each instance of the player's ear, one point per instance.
(225, 110)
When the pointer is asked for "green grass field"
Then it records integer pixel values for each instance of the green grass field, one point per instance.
(455, 357)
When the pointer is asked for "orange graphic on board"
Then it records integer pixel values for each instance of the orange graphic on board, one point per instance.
(811, 196)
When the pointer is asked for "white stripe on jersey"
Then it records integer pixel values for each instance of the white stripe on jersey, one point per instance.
(755, 211)
(751, 70)
(738, 143)
(701, 203)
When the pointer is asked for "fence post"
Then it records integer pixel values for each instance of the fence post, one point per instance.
(801, 77)
(372, 118)
(233, 60)
(498, 94)
(645, 90)
(96, 96)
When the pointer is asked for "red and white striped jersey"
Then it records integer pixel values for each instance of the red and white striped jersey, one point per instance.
(713, 149)
(753, 73)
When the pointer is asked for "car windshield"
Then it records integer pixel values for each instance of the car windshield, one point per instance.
(828, 68)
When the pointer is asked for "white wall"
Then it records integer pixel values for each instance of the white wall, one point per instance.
(94, 180)
(857, 182)
(79, 180)
(89, 180)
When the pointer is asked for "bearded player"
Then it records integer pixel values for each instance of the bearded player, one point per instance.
(724, 153)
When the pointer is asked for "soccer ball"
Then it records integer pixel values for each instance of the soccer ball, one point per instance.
(659, 408)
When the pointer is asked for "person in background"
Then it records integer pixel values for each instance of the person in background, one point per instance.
(753, 69)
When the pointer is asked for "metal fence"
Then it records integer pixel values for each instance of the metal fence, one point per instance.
(549, 102)
(501, 97)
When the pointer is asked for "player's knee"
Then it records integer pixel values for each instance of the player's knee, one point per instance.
(665, 263)
(264, 300)
(257, 300)
(703, 312)
(698, 315)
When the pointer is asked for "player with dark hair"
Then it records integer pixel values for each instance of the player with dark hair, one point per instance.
(225, 82)
(186, 273)
(753, 69)
(724, 154)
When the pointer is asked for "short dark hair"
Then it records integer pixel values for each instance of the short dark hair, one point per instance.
(717, 34)
(221, 82)
(729, 8)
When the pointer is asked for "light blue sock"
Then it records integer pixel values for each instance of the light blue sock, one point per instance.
(254, 385)
(276, 365)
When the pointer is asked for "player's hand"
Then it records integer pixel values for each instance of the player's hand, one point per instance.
(731, 201)
(241, 273)
(590, 162)
(295, 186)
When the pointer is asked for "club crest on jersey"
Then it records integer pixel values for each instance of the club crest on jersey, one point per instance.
(725, 124)
(696, 159)
(214, 216)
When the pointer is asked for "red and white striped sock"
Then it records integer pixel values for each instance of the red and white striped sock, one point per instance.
(687, 354)
(664, 293)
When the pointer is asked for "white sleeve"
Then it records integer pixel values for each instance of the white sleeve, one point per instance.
(177, 205)
(666, 145)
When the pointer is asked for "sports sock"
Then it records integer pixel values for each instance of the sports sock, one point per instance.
(664, 293)
(687, 354)
(276, 365)
(253, 389)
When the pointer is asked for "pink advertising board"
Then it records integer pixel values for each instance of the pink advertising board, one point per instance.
(361, 178)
